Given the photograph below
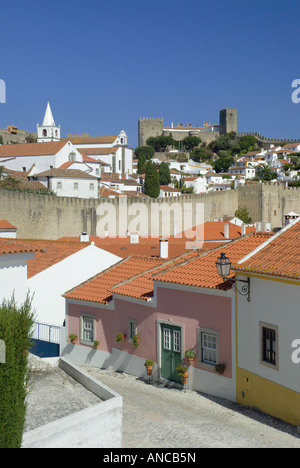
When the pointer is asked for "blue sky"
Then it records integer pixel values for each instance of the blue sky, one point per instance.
(103, 64)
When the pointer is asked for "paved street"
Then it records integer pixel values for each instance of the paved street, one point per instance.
(158, 417)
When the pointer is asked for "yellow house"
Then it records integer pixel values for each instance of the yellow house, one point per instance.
(268, 326)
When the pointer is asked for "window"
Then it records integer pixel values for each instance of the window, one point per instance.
(176, 341)
(75, 185)
(91, 186)
(59, 185)
(87, 329)
(269, 345)
(167, 339)
(208, 347)
(132, 329)
(44, 132)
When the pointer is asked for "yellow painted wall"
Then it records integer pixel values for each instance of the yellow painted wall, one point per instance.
(269, 397)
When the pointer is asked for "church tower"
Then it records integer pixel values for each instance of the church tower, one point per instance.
(48, 131)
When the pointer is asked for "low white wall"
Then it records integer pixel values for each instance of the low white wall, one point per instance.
(99, 426)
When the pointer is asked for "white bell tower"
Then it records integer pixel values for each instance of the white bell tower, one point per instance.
(48, 131)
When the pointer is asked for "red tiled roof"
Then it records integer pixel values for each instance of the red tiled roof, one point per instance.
(4, 224)
(80, 140)
(10, 246)
(48, 252)
(147, 246)
(99, 288)
(31, 149)
(202, 271)
(280, 257)
(98, 151)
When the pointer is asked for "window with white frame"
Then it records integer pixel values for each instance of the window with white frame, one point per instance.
(59, 185)
(132, 328)
(208, 347)
(87, 329)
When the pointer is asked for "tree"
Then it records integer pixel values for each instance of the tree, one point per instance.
(190, 142)
(223, 163)
(160, 143)
(247, 141)
(201, 154)
(147, 151)
(266, 172)
(243, 214)
(164, 174)
(15, 328)
(152, 187)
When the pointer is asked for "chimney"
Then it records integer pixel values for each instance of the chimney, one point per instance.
(84, 237)
(134, 238)
(243, 229)
(163, 248)
(226, 231)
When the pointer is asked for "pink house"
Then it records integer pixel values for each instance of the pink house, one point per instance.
(173, 305)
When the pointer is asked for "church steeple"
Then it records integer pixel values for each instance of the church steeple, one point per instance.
(48, 131)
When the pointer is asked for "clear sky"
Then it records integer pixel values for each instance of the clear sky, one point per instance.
(103, 64)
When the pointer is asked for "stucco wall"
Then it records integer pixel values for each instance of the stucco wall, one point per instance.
(99, 426)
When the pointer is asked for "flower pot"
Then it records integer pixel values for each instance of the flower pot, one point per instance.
(149, 370)
(185, 378)
(190, 360)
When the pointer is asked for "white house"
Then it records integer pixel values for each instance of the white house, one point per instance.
(53, 266)
(13, 268)
(38, 157)
(268, 326)
(70, 183)
(198, 184)
(120, 182)
(112, 150)
(166, 191)
(7, 230)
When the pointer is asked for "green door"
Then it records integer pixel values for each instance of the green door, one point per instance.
(170, 352)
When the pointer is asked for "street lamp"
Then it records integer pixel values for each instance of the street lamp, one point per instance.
(223, 265)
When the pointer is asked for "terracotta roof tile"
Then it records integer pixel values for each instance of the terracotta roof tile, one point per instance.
(202, 271)
(80, 140)
(48, 252)
(31, 149)
(60, 172)
(10, 246)
(280, 257)
(4, 224)
(99, 288)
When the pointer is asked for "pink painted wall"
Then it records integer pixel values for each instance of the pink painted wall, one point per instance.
(192, 309)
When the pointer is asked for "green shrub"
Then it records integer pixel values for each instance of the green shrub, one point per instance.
(15, 327)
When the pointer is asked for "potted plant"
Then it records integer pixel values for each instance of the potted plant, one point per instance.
(182, 370)
(73, 338)
(220, 368)
(149, 364)
(190, 355)
(96, 343)
(136, 340)
(120, 336)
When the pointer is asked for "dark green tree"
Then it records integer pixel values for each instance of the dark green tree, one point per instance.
(164, 174)
(191, 142)
(152, 187)
(223, 163)
(201, 154)
(243, 214)
(15, 330)
(160, 143)
(266, 172)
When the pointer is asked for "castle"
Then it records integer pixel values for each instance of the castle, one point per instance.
(154, 127)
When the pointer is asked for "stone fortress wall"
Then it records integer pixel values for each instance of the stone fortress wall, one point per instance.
(48, 217)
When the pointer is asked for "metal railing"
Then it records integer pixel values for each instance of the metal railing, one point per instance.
(45, 332)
